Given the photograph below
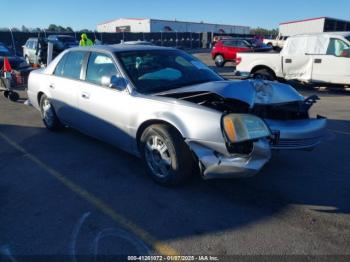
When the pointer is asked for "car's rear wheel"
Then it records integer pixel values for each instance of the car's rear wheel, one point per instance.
(264, 74)
(13, 96)
(6, 93)
(48, 114)
(219, 61)
(167, 157)
(27, 60)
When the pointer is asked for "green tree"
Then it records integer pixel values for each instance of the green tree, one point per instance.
(52, 28)
(69, 29)
(24, 29)
(264, 32)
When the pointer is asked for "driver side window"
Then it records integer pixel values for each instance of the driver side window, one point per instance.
(99, 65)
(336, 47)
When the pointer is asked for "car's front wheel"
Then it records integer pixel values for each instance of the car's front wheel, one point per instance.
(48, 114)
(219, 61)
(167, 157)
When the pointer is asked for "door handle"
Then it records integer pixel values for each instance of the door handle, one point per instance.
(288, 61)
(85, 95)
(52, 86)
(318, 61)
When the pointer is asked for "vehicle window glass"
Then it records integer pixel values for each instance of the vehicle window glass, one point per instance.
(31, 44)
(99, 65)
(231, 43)
(60, 66)
(28, 43)
(160, 70)
(72, 66)
(35, 43)
(336, 47)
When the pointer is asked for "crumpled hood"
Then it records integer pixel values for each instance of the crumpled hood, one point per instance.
(249, 91)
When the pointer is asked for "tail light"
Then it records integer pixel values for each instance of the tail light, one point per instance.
(238, 60)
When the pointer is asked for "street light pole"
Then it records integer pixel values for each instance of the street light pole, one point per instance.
(176, 39)
(13, 41)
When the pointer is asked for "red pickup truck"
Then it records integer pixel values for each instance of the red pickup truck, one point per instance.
(226, 50)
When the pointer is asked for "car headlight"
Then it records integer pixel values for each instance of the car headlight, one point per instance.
(243, 127)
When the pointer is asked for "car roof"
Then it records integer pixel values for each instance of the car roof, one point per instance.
(121, 48)
(61, 36)
(329, 34)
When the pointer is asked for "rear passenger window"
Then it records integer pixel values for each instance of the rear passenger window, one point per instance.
(72, 65)
(99, 65)
(60, 66)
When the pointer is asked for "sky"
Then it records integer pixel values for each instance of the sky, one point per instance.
(86, 14)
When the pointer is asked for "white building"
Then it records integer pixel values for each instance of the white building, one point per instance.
(155, 25)
(314, 25)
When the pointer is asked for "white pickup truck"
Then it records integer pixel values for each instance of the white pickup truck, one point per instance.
(276, 43)
(322, 58)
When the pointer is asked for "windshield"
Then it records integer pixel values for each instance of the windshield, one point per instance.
(348, 38)
(4, 51)
(154, 71)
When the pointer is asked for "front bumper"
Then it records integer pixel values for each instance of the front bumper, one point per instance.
(298, 134)
(215, 165)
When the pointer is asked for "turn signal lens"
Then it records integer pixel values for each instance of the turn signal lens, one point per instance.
(230, 129)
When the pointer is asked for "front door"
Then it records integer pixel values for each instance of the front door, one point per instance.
(334, 67)
(103, 110)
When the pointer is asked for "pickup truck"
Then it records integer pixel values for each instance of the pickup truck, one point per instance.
(322, 58)
(276, 43)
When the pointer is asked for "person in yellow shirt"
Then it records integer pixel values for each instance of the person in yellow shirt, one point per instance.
(85, 41)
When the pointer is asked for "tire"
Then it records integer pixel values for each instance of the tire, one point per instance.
(219, 61)
(166, 156)
(27, 60)
(264, 74)
(13, 96)
(6, 93)
(48, 114)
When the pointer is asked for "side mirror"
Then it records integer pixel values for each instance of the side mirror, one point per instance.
(114, 81)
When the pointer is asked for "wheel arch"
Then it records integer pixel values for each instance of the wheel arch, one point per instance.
(260, 67)
(40, 94)
(151, 122)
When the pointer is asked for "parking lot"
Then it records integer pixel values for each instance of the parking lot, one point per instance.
(66, 193)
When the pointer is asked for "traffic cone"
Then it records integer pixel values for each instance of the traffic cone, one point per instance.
(7, 66)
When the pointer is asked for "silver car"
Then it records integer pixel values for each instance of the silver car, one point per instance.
(174, 112)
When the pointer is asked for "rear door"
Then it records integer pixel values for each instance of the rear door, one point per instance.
(334, 66)
(64, 86)
(296, 63)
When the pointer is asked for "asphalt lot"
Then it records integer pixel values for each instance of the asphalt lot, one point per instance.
(66, 193)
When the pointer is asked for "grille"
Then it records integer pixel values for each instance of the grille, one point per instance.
(297, 143)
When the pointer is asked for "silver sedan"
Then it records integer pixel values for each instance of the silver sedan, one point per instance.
(170, 109)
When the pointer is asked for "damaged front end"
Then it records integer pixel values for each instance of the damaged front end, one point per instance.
(284, 110)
